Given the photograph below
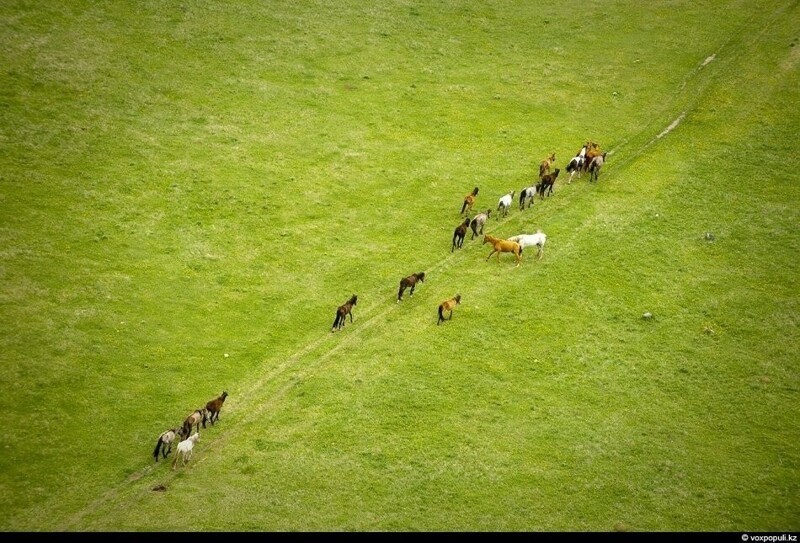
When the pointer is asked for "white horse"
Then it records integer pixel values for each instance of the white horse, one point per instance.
(529, 240)
(526, 196)
(184, 450)
(504, 203)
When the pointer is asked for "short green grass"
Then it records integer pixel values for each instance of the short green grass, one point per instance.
(181, 182)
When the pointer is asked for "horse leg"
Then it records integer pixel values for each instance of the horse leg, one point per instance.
(411, 293)
(490, 254)
(351, 316)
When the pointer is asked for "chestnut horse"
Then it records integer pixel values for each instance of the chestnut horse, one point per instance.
(592, 150)
(546, 164)
(503, 246)
(410, 281)
(469, 201)
(341, 313)
(448, 305)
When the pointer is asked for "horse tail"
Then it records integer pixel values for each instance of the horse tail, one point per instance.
(335, 321)
(400, 292)
(158, 447)
(463, 207)
(441, 313)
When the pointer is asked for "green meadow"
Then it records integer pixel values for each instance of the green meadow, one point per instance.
(189, 189)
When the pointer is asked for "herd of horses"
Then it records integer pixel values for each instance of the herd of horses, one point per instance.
(588, 159)
(183, 435)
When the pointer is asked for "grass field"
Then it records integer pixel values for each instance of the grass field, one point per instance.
(189, 190)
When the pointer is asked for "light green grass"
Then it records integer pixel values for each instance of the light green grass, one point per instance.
(178, 182)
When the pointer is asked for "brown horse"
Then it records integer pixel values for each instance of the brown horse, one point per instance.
(459, 234)
(410, 281)
(503, 246)
(546, 164)
(214, 406)
(341, 313)
(448, 305)
(197, 417)
(546, 184)
(469, 201)
(592, 150)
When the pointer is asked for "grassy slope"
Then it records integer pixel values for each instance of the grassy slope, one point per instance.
(177, 185)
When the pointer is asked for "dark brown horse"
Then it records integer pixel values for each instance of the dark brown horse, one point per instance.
(547, 182)
(448, 305)
(214, 406)
(469, 201)
(459, 234)
(341, 313)
(410, 281)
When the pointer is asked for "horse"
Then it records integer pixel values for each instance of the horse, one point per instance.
(504, 203)
(164, 443)
(214, 407)
(198, 416)
(503, 246)
(547, 182)
(341, 313)
(546, 164)
(526, 195)
(410, 281)
(469, 201)
(448, 305)
(592, 150)
(185, 448)
(530, 240)
(576, 163)
(459, 234)
(596, 164)
(478, 223)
